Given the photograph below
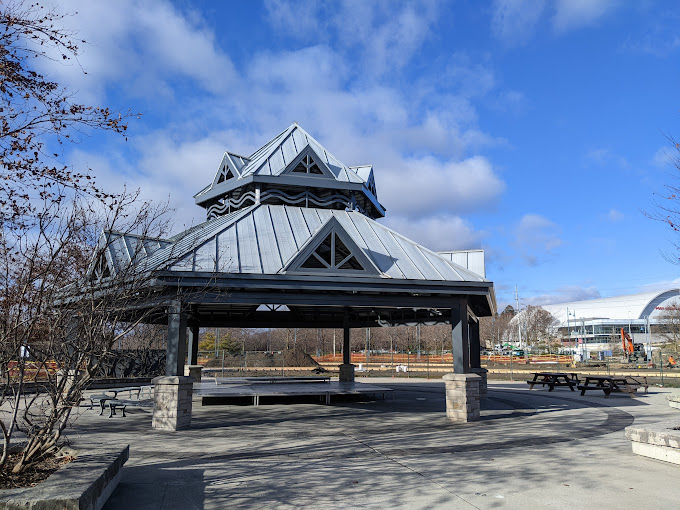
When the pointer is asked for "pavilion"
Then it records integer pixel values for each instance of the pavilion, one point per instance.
(291, 240)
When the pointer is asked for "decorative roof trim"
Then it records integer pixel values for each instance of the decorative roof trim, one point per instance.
(308, 151)
(307, 251)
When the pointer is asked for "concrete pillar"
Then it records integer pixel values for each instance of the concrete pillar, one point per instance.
(475, 347)
(459, 338)
(482, 373)
(193, 371)
(177, 340)
(193, 344)
(347, 372)
(172, 402)
(462, 397)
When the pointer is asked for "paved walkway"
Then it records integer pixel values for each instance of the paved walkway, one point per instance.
(532, 449)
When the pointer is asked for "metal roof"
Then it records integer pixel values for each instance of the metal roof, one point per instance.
(263, 239)
(634, 306)
(274, 157)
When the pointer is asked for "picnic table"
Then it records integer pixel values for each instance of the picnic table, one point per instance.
(137, 396)
(552, 379)
(608, 384)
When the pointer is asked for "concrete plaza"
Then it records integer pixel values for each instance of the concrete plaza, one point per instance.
(532, 449)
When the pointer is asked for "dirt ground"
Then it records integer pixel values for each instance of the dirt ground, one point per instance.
(289, 358)
(33, 475)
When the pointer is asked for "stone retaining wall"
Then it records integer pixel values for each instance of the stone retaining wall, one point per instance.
(85, 483)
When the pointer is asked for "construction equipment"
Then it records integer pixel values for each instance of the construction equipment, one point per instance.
(635, 353)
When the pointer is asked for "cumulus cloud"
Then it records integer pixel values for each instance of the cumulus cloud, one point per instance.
(387, 34)
(166, 170)
(423, 142)
(514, 21)
(440, 233)
(565, 294)
(536, 237)
(575, 14)
(142, 47)
(425, 186)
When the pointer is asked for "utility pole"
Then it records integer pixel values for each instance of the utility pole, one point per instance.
(519, 330)
(418, 335)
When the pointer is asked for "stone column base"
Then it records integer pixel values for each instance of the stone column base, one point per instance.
(481, 372)
(462, 397)
(172, 402)
(193, 371)
(347, 372)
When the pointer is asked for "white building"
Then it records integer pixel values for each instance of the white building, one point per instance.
(596, 324)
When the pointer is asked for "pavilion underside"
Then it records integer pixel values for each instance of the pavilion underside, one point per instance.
(189, 302)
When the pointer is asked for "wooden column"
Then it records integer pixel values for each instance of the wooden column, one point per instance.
(459, 338)
(475, 355)
(177, 340)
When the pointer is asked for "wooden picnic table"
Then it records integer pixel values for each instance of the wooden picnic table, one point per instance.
(608, 384)
(552, 379)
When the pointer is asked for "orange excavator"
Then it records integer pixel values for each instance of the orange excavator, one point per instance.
(634, 352)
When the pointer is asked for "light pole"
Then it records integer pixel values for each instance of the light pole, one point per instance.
(649, 340)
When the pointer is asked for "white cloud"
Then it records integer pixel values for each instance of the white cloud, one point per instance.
(510, 101)
(615, 215)
(536, 237)
(140, 47)
(514, 21)
(387, 34)
(605, 157)
(422, 142)
(424, 186)
(565, 294)
(440, 233)
(575, 14)
(664, 157)
(660, 286)
(166, 170)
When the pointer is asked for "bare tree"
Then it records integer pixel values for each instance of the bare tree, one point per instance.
(38, 115)
(539, 326)
(492, 330)
(55, 306)
(66, 307)
(669, 327)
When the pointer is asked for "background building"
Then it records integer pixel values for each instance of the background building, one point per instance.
(596, 324)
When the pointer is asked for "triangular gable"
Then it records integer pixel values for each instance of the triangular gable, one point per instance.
(224, 172)
(308, 163)
(331, 251)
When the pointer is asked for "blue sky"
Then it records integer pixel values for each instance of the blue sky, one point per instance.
(535, 130)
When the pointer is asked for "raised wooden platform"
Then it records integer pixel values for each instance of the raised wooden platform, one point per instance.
(241, 387)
